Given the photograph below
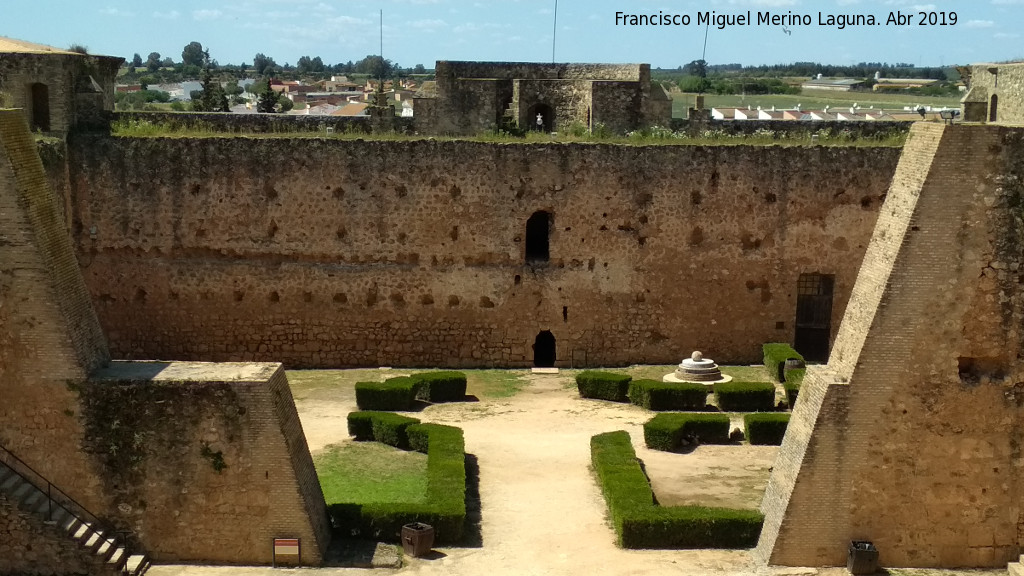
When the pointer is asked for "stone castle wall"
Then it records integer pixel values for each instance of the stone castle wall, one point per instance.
(1006, 83)
(911, 436)
(332, 253)
(51, 347)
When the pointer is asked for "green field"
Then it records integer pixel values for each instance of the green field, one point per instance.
(811, 100)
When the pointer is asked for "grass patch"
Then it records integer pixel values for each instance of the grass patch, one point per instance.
(320, 384)
(655, 136)
(371, 473)
(495, 383)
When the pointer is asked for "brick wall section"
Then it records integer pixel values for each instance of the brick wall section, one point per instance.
(29, 546)
(49, 334)
(166, 487)
(332, 253)
(916, 420)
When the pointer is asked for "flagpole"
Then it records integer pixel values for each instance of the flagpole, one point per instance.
(554, 33)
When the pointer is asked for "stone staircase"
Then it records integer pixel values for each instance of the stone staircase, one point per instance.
(1016, 568)
(108, 546)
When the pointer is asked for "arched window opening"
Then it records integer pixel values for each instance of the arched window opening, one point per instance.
(544, 350)
(538, 229)
(993, 109)
(541, 117)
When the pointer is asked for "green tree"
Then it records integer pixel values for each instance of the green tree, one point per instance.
(698, 68)
(194, 55)
(260, 63)
(153, 62)
(136, 61)
(268, 99)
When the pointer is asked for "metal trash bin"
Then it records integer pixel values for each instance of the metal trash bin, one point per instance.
(417, 538)
(863, 558)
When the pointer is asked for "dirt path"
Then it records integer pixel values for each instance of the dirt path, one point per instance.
(542, 511)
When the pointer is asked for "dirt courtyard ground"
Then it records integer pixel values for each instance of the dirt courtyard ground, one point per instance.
(542, 511)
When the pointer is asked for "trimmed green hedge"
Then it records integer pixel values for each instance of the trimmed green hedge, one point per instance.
(441, 386)
(775, 356)
(765, 429)
(392, 394)
(603, 385)
(667, 431)
(444, 504)
(794, 379)
(384, 427)
(745, 396)
(640, 523)
(663, 396)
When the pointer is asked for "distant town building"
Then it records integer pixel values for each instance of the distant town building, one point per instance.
(833, 84)
(473, 97)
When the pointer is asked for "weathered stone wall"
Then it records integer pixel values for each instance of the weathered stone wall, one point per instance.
(449, 70)
(67, 428)
(67, 77)
(570, 101)
(620, 106)
(330, 253)
(204, 462)
(910, 437)
(29, 546)
(1006, 83)
(471, 97)
(49, 333)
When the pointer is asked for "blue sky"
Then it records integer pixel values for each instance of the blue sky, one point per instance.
(422, 31)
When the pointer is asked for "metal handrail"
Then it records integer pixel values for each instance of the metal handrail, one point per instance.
(56, 496)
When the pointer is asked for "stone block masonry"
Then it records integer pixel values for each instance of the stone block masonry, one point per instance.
(204, 462)
(910, 436)
(327, 253)
(198, 462)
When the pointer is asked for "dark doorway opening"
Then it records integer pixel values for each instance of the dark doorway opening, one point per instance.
(538, 228)
(541, 117)
(993, 109)
(544, 350)
(814, 316)
(40, 107)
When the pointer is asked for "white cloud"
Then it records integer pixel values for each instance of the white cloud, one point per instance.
(206, 14)
(979, 24)
(172, 15)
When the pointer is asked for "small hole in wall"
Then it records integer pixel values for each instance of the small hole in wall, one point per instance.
(140, 295)
(518, 280)
(915, 228)
(307, 296)
(780, 325)
(565, 313)
(266, 475)
(275, 297)
(340, 298)
(239, 295)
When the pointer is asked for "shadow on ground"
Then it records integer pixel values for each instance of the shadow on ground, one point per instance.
(473, 536)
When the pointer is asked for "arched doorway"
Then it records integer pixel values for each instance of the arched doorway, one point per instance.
(545, 114)
(993, 109)
(40, 107)
(538, 229)
(544, 350)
